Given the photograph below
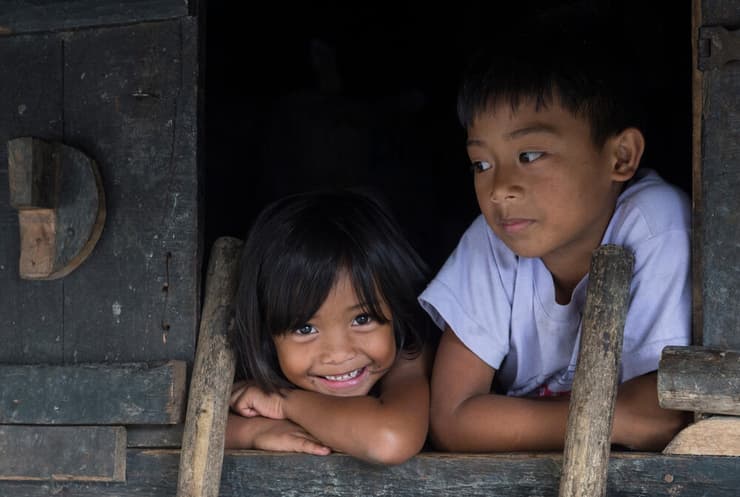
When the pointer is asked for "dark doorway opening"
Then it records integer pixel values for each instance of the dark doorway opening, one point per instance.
(302, 96)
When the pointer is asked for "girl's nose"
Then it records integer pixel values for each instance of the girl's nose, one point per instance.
(337, 347)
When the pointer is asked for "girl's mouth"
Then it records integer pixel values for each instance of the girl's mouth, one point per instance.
(346, 376)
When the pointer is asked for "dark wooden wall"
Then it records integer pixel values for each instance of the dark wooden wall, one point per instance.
(127, 97)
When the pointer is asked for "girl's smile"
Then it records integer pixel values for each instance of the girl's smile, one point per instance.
(342, 350)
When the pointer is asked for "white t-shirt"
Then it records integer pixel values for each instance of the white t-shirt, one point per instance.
(503, 308)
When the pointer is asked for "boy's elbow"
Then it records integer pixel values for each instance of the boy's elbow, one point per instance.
(441, 432)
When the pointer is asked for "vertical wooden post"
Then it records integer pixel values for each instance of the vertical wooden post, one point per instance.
(202, 451)
(587, 439)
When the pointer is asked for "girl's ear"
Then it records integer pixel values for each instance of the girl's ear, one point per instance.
(628, 146)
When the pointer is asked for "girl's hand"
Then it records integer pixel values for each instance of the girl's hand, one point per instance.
(285, 436)
(249, 400)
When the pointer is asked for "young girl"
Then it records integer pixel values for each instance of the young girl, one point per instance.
(330, 338)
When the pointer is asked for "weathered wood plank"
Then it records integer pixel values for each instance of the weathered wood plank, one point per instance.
(18, 16)
(31, 324)
(591, 408)
(79, 453)
(212, 378)
(130, 102)
(715, 436)
(154, 436)
(720, 182)
(699, 379)
(153, 473)
(93, 394)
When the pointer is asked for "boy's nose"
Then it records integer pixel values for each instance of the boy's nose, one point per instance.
(504, 185)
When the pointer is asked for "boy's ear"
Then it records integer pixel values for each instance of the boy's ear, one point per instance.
(628, 146)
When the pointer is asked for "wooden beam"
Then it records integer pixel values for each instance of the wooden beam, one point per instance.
(213, 376)
(699, 379)
(22, 16)
(153, 473)
(715, 436)
(70, 453)
(591, 409)
(93, 394)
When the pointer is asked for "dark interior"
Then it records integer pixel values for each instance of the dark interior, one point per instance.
(300, 96)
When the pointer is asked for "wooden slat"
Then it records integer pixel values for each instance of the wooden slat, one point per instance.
(79, 453)
(699, 379)
(31, 324)
(213, 376)
(93, 394)
(19, 16)
(720, 182)
(716, 436)
(159, 436)
(131, 104)
(153, 473)
(591, 408)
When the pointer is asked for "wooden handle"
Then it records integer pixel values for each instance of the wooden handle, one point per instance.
(202, 451)
(59, 195)
(587, 439)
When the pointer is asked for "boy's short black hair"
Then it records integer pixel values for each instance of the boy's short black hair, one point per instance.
(291, 258)
(580, 57)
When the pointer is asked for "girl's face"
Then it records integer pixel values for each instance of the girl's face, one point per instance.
(342, 350)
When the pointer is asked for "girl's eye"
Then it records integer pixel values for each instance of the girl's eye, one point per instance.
(479, 166)
(527, 157)
(306, 329)
(362, 319)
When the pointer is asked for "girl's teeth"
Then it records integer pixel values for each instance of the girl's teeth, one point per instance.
(343, 377)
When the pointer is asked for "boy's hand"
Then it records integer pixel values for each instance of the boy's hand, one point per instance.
(285, 436)
(249, 400)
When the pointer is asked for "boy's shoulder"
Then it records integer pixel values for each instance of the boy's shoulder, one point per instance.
(648, 207)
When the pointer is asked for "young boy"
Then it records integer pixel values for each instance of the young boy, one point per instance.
(555, 156)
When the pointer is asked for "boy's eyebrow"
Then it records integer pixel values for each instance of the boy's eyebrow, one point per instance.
(533, 128)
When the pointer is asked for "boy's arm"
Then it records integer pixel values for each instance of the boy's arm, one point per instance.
(465, 417)
(639, 422)
(388, 429)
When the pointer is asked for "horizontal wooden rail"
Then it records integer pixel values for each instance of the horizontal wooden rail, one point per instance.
(153, 473)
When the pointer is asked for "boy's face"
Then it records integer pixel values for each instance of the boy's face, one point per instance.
(542, 185)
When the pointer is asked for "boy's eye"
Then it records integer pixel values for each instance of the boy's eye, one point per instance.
(306, 329)
(479, 166)
(362, 319)
(527, 157)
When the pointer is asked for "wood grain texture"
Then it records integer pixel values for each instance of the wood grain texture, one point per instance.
(715, 436)
(133, 108)
(93, 394)
(69, 453)
(699, 379)
(127, 96)
(213, 375)
(19, 16)
(594, 392)
(153, 473)
(720, 181)
(31, 313)
(154, 436)
(59, 195)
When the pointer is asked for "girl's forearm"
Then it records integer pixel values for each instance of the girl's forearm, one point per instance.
(365, 427)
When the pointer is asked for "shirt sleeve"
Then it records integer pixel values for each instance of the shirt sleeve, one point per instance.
(656, 228)
(472, 293)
